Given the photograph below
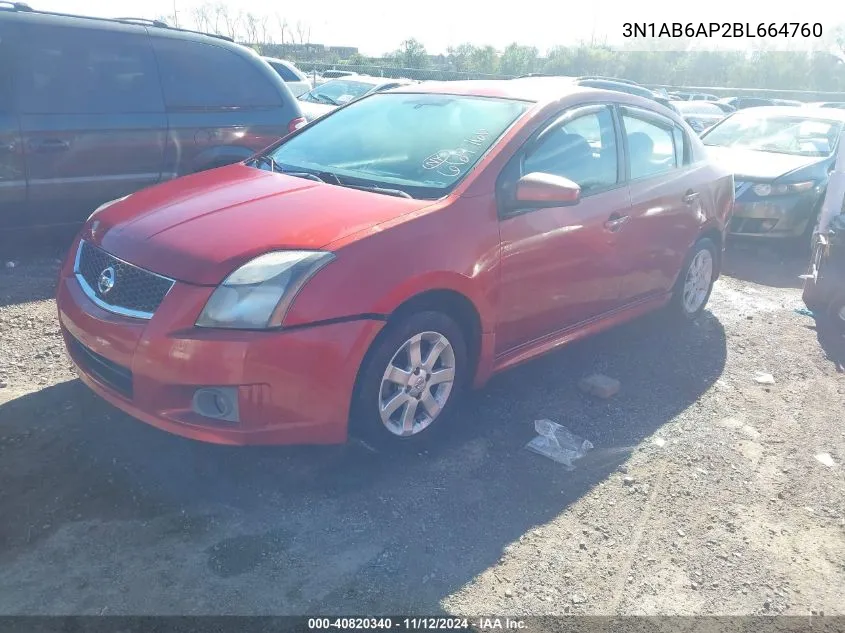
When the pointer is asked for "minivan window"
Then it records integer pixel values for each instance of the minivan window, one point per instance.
(198, 75)
(85, 71)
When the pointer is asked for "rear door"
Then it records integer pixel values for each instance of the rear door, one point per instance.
(92, 117)
(665, 191)
(221, 107)
(12, 172)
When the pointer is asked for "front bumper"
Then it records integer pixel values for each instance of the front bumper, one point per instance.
(776, 217)
(293, 386)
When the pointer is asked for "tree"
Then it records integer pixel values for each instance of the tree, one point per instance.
(518, 60)
(411, 54)
(303, 32)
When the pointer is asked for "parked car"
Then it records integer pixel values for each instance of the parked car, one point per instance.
(741, 103)
(781, 158)
(840, 105)
(700, 115)
(93, 109)
(375, 264)
(724, 107)
(611, 83)
(326, 97)
(328, 75)
(296, 80)
(701, 96)
(786, 102)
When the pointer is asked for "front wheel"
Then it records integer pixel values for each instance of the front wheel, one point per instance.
(695, 283)
(411, 380)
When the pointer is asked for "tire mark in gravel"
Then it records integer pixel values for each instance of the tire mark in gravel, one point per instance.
(621, 579)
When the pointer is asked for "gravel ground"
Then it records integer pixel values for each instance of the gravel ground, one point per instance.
(706, 492)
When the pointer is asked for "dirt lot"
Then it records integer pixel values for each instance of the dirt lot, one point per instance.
(703, 494)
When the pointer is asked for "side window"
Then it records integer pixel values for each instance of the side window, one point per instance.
(285, 73)
(197, 75)
(87, 71)
(651, 147)
(582, 149)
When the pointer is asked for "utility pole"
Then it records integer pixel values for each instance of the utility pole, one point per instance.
(175, 15)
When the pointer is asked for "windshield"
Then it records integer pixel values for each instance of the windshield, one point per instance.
(776, 133)
(422, 144)
(338, 91)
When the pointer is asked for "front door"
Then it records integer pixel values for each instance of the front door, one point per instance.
(92, 118)
(12, 171)
(559, 266)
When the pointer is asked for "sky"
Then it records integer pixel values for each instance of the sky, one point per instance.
(379, 26)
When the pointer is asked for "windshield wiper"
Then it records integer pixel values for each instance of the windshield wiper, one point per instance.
(325, 99)
(387, 192)
(268, 160)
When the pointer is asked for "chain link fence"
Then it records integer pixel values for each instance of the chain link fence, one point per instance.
(315, 70)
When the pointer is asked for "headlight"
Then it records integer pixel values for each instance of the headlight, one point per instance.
(105, 206)
(764, 190)
(258, 294)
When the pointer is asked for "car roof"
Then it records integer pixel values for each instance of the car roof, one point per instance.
(815, 112)
(537, 89)
(369, 79)
(23, 13)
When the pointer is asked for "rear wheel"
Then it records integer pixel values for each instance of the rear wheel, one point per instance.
(411, 381)
(695, 283)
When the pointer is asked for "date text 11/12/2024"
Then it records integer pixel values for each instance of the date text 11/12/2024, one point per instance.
(417, 624)
(771, 30)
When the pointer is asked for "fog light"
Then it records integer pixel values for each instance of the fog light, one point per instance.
(218, 403)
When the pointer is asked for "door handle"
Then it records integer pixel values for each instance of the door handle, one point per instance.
(7, 148)
(616, 222)
(690, 197)
(49, 145)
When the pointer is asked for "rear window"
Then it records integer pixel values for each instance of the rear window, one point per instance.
(195, 75)
(287, 74)
(86, 71)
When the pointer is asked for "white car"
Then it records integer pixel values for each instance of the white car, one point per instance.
(296, 81)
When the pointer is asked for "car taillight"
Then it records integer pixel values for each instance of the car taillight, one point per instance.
(297, 123)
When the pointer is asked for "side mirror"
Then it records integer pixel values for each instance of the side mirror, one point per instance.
(539, 189)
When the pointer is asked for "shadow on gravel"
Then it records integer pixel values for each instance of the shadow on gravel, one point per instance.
(332, 529)
(775, 265)
(29, 264)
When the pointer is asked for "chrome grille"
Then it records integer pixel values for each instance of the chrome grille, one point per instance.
(118, 286)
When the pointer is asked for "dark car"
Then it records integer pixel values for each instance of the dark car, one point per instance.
(781, 157)
(93, 109)
(741, 103)
(699, 114)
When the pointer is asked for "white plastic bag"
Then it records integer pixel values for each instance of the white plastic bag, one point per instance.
(558, 443)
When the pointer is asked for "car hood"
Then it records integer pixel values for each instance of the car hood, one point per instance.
(757, 165)
(200, 228)
(311, 110)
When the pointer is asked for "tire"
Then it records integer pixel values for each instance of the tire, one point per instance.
(683, 309)
(375, 392)
(836, 313)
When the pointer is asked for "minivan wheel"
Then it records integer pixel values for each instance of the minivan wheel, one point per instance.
(411, 381)
(695, 283)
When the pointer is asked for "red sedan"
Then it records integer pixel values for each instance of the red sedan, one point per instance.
(369, 268)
